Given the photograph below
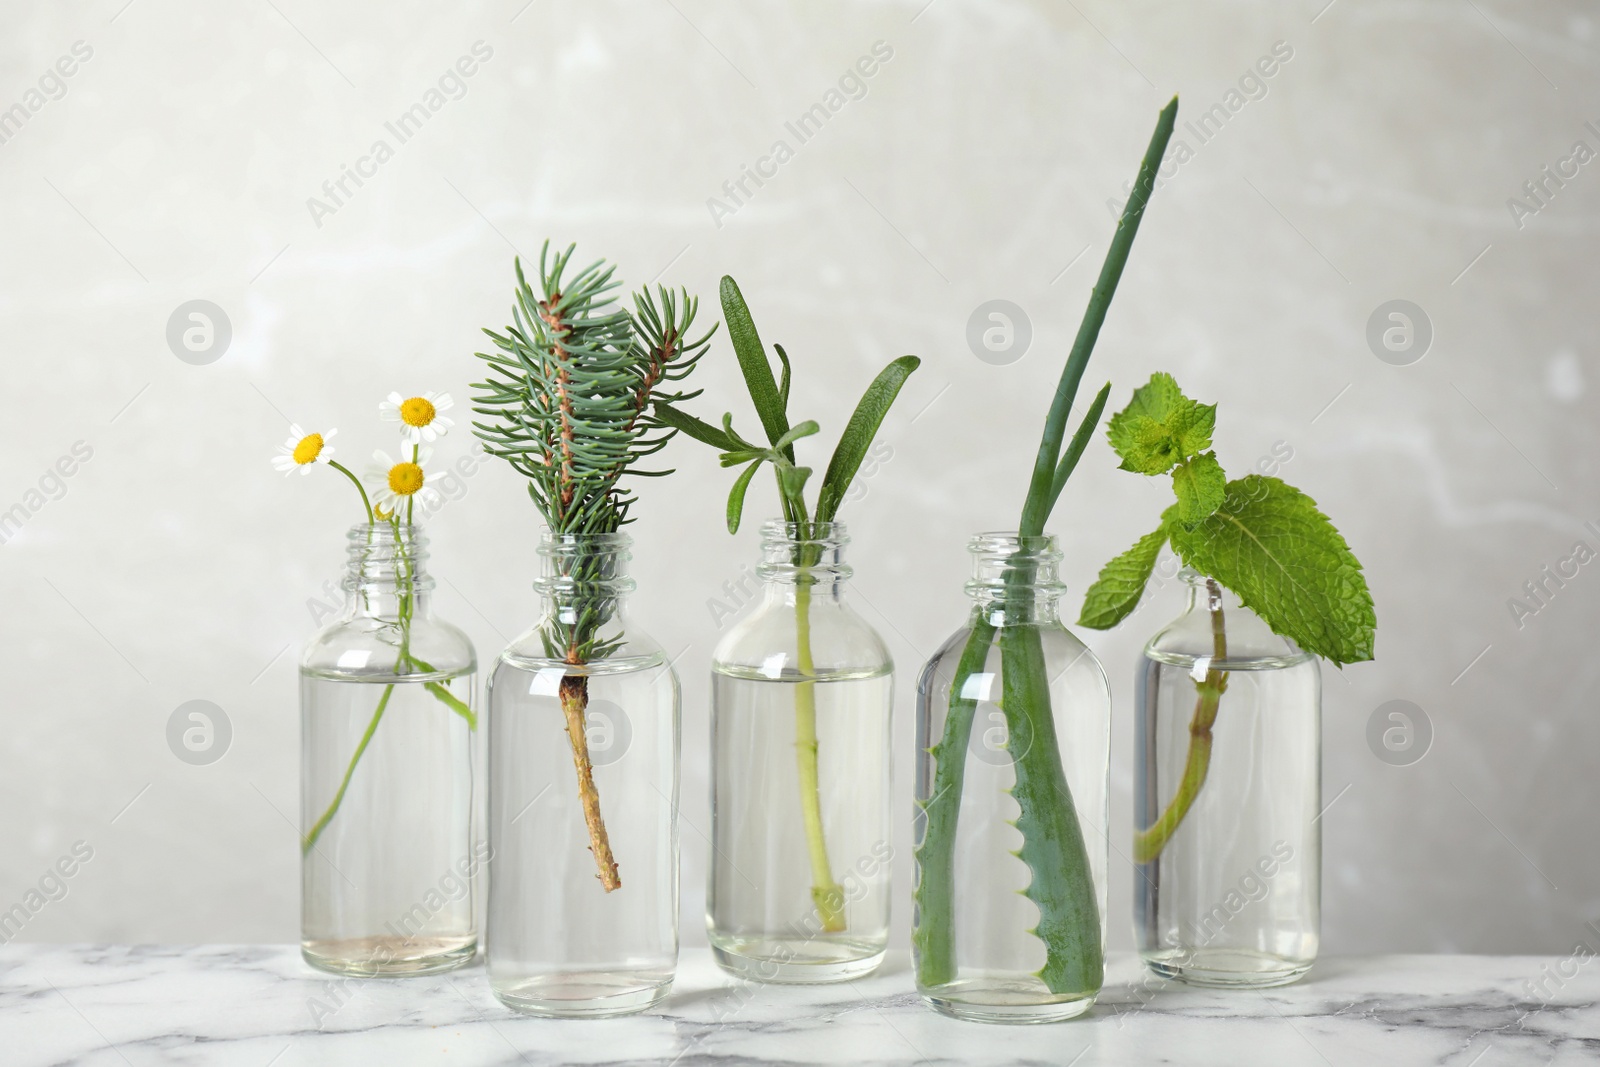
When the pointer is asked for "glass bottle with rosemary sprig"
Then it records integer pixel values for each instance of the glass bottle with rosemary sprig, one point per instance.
(1013, 735)
(1228, 759)
(802, 703)
(583, 707)
(387, 784)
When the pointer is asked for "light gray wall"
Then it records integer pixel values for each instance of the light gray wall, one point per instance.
(978, 165)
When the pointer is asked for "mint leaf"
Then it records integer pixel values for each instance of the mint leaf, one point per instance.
(1116, 592)
(1160, 427)
(1201, 486)
(1270, 545)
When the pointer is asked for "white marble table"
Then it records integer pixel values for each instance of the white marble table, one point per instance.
(255, 1006)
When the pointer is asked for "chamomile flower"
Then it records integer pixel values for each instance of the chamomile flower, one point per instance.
(303, 450)
(421, 418)
(399, 480)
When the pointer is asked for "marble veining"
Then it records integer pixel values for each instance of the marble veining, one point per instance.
(260, 1006)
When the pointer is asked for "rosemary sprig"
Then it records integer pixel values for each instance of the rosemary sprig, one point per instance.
(771, 399)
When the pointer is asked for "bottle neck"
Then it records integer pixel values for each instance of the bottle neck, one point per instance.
(804, 556)
(583, 580)
(387, 577)
(1014, 578)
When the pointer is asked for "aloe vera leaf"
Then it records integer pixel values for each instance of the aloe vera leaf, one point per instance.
(933, 933)
(1062, 885)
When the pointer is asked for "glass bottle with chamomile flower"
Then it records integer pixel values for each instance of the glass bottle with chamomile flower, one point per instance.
(390, 848)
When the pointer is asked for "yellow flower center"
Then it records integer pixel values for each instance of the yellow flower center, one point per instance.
(417, 411)
(309, 448)
(405, 478)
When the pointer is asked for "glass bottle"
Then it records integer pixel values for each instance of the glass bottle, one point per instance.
(389, 846)
(1011, 825)
(802, 698)
(583, 797)
(1227, 798)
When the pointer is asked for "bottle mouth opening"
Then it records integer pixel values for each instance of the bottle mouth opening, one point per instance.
(384, 533)
(557, 544)
(1002, 545)
(778, 533)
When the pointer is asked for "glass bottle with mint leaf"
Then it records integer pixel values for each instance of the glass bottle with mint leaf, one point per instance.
(802, 698)
(1227, 796)
(1013, 744)
(583, 707)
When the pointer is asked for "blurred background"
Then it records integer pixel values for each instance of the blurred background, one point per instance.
(1337, 158)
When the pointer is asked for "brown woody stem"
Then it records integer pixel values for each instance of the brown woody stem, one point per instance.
(574, 703)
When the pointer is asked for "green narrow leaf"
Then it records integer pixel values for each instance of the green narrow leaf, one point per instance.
(1287, 563)
(793, 481)
(1041, 486)
(753, 362)
(695, 428)
(1116, 592)
(1080, 441)
(783, 382)
(805, 429)
(1200, 486)
(736, 496)
(859, 432)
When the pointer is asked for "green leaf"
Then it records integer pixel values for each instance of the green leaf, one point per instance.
(1160, 427)
(736, 496)
(1116, 592)
(695, 428)
(753, 362)
(783, 382)
(1271, 546)
(1201, 486)
(792, 480)
(859, 432)
(805, 429)
(1080, 441)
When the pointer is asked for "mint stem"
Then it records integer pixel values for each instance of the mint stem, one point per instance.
(1148, 843)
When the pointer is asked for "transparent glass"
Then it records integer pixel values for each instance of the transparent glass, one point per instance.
(583, 797)
(1227, 798)
(802, 701)
(390, 852)
(1013, 746)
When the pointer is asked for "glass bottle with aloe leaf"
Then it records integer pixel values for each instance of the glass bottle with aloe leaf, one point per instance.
(802, 702)
(583, 707)
(1229, 744)
(1013, 720)
(388, 739)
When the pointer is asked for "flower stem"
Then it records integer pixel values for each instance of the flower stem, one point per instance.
(1148, 843)
(342, 469)
(574, 703)
(338, 798)
(825, 892)
(404, 661)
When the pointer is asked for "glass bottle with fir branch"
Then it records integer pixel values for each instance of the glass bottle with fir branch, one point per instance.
(583, 708)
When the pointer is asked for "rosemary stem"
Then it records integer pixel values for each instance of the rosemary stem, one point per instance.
(825, 892)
